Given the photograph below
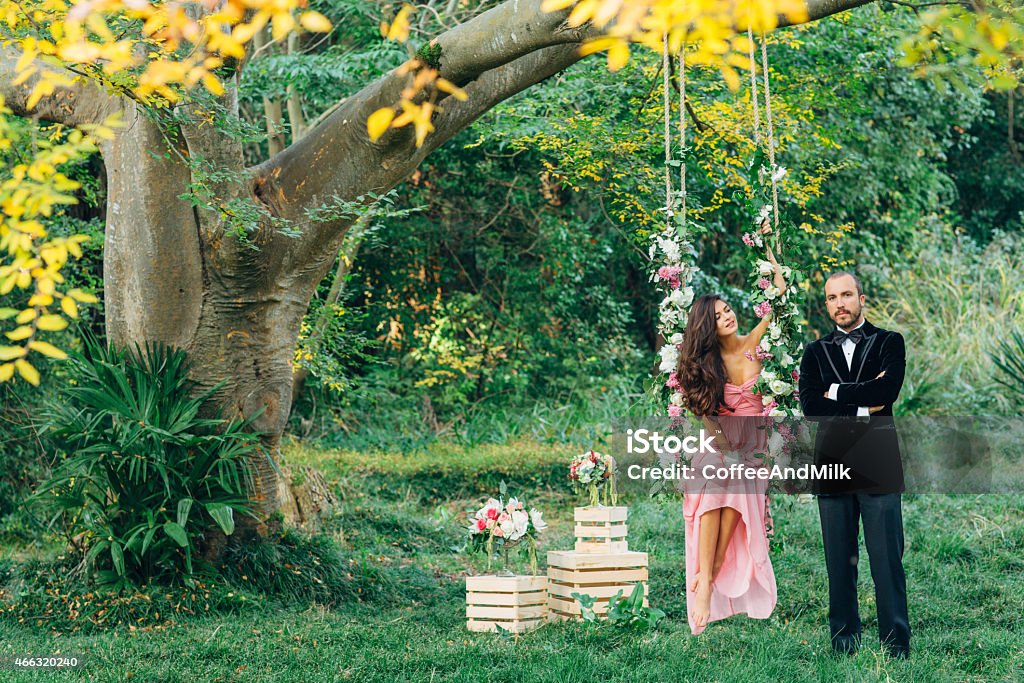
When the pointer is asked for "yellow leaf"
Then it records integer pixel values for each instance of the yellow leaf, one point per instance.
(28, 315)
(19, 333)
(213, 84)
(47, 349)
(51, 323)
(315, 22)
(69, 307)
(6, 313)
(6, 371)
(27, 372)
(12, 352)
(42, 89)
(379, 122)
(81, 297)
(281, 25)
(399, 28)
(618, 55)
(444, 85)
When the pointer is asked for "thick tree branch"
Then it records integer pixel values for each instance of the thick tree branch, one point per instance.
(83, 102)
(494, 55)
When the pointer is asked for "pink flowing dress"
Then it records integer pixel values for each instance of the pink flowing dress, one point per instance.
(746, 582)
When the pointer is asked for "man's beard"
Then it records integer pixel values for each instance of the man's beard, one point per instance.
(854, 314)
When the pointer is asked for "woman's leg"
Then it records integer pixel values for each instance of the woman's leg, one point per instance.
(706, 545)
(726, 527)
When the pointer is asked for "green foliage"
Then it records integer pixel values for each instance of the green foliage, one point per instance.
(627, 612)
(954, 300)
(1009, 361)
(296, 569)
(141, 476)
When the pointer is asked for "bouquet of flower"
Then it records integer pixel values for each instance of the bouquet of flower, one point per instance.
(594, 473)
(502, 526)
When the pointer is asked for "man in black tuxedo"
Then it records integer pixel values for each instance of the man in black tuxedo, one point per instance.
(849, 381)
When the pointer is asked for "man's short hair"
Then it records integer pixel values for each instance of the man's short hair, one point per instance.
(842, 273)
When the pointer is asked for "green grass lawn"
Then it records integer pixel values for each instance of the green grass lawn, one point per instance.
(401, 519)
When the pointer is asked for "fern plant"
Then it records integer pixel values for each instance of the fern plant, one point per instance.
(141, 477)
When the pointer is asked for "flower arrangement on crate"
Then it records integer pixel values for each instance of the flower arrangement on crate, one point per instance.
(498, 527)
(595, 474)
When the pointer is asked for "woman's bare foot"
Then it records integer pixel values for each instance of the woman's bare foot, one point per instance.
(702, 608)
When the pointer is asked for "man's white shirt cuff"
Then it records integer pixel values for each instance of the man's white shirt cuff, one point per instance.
(831, 395)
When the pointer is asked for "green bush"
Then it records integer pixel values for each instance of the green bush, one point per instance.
(140, 476)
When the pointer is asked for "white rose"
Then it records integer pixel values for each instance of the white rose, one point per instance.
(777, 412)
(537, 519)
(507, 527)
(766, 400)
(765, 268)
(669, 358)
(676, 399)
(765, 343)
(775, 443)
(774, 331)
(520, 521)
(670, 249)
(681, 298)
(787, 360)
(676, 339)
(771, 292)
(780, 388)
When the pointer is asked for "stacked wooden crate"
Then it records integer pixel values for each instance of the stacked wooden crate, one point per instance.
(600, 566)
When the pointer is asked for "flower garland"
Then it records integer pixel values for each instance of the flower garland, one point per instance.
(782, 345)
(675, 253)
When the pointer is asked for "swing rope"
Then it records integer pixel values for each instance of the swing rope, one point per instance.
(665, 66)
(768, 114)
(670, 199)
(682, 132)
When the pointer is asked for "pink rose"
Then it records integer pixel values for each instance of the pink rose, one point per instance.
(492, 513)
(763, 309)
(675, 411)
(795, 375)
(481, 524)
(673, 381)
(748, 240)
(763, 283)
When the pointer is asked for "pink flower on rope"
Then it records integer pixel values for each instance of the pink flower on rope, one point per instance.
(761, 353)
(763, 283)
(671, 275)
(795, 375)
(673, 381)
(675, 411)
(763, 309)
(748, 240)
(770, 407)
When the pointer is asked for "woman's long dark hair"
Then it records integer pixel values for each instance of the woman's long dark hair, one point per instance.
(701, 371)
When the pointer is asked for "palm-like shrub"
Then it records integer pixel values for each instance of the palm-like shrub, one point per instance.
(1009, 360)
(141, 477)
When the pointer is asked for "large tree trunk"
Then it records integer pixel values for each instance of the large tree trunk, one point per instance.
(174, 272)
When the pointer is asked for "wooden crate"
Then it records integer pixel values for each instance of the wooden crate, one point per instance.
(601, 529)
(516, 603)
(598, 575)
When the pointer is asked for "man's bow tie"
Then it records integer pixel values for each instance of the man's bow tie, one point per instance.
(856, 336)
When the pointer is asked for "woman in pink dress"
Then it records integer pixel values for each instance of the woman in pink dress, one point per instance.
(728, 570)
